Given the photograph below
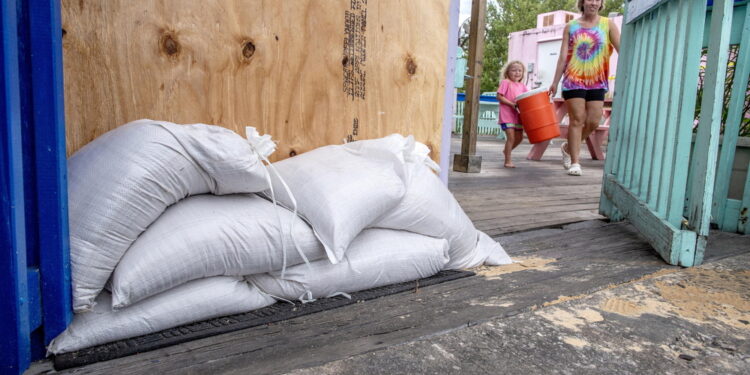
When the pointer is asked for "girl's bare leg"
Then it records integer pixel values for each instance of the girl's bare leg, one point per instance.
(518, 138)
(509, 146)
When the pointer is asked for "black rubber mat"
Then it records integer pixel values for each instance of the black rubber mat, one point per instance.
(271, 314)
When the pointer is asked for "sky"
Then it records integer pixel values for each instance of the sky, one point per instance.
(465, 11)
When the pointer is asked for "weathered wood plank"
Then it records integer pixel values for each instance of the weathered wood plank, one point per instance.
(518, 214)
(706, 149)
(654, 103)
(673, 115)
(320, 338)
(575, 268)
(696, 21)
(644, 125)
(664, 237)
(503, 226)
(668, 36)
(635, 103)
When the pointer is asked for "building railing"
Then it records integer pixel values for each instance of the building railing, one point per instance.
(654, 176)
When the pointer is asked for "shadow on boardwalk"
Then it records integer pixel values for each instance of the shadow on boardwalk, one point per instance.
(534, 194)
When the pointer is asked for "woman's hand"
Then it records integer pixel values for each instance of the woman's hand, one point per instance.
(552, 90)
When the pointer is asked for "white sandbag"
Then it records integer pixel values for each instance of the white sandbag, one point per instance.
(209, 235)
(429, 208)
(406, 149)
(122, 181)
(195, 301)
(375, 258)
(339, 191)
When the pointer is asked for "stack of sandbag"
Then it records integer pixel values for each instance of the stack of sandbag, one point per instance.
(120, 186)
(120, 183)
(164, 215)
(383, 183)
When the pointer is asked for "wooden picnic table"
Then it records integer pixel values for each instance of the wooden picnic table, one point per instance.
(594, 141)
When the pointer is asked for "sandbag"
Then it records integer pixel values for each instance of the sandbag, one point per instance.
(209, 235)
(429, 208)
(339, 191)
(191, 302)
(375, 258)
(122, 181)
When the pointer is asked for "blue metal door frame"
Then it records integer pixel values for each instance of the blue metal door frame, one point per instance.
(34, 264)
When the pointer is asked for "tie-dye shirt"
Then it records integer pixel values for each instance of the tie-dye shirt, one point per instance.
(588, 56)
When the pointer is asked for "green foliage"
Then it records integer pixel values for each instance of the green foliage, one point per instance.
(728, 83)
(507, 16)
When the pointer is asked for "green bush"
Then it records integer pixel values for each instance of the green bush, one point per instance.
(731, 65)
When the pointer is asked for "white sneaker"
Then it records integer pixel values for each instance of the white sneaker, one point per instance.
(575, 170)
(565, 156)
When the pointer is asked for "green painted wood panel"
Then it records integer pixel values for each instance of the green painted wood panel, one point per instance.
(732, 126)
(730, 221)
(638, 101)
(645, 118)
(707, 138)
(688, 93)
(630, 100)
(669, 24)
(663, 236)
(616, 132)
(654, 106)
(681, 13)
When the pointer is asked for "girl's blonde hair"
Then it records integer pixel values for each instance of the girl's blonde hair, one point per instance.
(580, 5)
(507, 66)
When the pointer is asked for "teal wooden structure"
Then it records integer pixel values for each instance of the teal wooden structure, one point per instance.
(671, 188)
(488, 113)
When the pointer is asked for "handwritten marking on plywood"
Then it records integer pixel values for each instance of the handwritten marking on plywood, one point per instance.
(275, 65)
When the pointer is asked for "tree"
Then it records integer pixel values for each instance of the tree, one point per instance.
(507, 16)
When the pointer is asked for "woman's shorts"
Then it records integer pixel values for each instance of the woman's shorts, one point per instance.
(509, 125)
(589, 95)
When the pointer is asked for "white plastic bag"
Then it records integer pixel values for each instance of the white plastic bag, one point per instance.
(429, 208)
(208, 235)
(195, 301)
(122, 181)
(375, 258)
(339, 191)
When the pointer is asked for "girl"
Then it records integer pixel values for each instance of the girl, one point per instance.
(510, 87)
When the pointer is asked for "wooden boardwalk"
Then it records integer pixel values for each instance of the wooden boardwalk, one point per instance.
(563, 308)
(534, 194)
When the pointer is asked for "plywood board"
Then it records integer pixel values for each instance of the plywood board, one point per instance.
(285, 67)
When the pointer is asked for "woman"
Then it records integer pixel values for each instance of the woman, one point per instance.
(584, 66)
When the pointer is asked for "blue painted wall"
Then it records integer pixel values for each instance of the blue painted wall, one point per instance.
(34, 264)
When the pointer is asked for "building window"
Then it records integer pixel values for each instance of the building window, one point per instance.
(548, 20)
(568, 17)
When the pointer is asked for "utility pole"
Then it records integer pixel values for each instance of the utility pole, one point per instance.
(467, 160)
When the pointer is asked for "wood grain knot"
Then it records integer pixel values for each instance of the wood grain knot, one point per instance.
(292, 153)
(411, 66)
(248, 50)
(170, 45)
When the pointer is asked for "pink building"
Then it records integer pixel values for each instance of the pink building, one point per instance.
(539, 48)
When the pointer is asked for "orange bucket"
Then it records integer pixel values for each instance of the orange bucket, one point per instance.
(538, 115)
